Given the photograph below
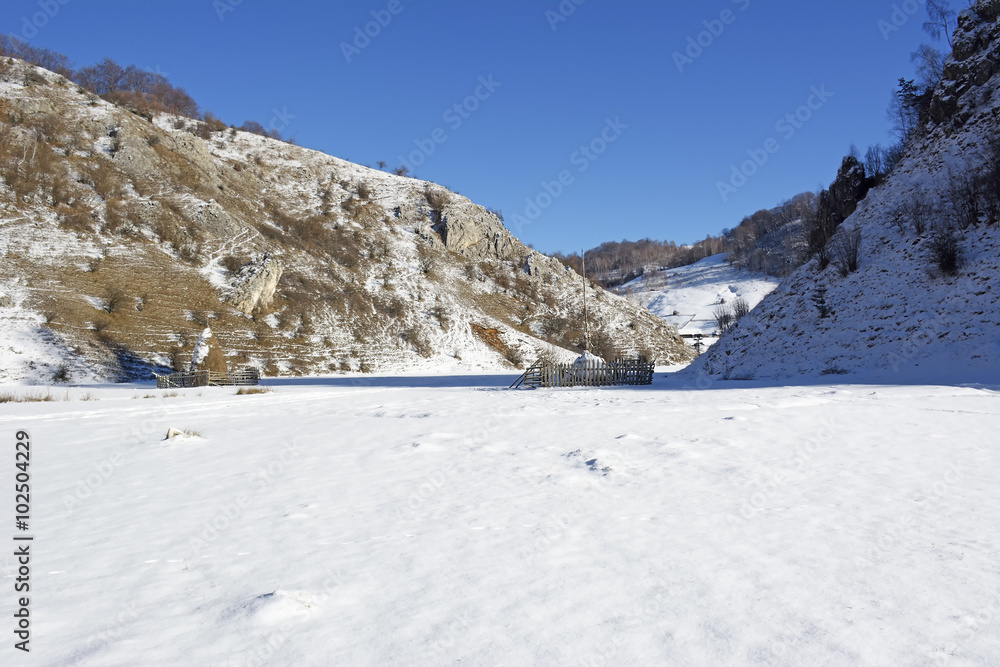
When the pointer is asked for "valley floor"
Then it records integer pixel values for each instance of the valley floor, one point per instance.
(432, 521)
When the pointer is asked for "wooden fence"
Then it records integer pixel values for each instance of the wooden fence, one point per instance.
(588, 374)
(244, 378)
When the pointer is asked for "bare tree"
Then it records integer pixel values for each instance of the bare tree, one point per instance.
(918, 210)
(941, 20)
(930, 65)
(965, 190)
(875, 162)
(846, 250)
(740, 308)
(723, 318)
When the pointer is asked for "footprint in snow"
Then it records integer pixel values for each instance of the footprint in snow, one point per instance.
(277, 607)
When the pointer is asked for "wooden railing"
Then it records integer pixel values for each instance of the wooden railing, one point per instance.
(183, 380)
(622, 372)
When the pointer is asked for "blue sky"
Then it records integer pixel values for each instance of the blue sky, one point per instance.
(660, 139)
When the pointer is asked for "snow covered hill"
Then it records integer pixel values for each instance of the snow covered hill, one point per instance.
(687, 296)
(441, 521)
(901, 316)
(122, 237)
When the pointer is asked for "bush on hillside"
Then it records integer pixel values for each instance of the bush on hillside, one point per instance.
(846, 250)
(945, 248)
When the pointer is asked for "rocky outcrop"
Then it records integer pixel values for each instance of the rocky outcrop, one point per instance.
(214, 219)
(255, 285)
(475, 233)
(543, 267)
(974, 60)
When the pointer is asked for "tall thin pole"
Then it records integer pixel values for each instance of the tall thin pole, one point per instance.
(586, 317)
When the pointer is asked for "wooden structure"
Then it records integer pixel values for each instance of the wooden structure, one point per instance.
(244, 378)
(592, 373)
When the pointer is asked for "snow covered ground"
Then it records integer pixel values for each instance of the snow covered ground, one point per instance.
(693, 292)
(430, 521)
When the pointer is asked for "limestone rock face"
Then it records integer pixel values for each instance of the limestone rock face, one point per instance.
(543, 267)
(213, 218)
(254, 287)
(974, 60)
(207, 355)
(475, 233)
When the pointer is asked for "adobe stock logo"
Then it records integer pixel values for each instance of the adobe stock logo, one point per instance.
(582, 158)
(788, 125)
(363, 36)
(455, 116)
(901, 15)
(698, 44)
(40, 19)
(565, 9)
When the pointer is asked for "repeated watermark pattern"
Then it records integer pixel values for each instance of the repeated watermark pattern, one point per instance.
(974, 622)
(454, 117)
(714, 28)
(901, 15)
(768, 486)
(47, 10)
(365, 34)
(562, 12)
(231, 511)
(787, 126)
(103, 470)
(581, 160)
(223, 7)
(892, 535)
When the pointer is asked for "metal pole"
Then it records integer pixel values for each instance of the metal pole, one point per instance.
(586, 318)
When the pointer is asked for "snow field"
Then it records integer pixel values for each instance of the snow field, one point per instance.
(695, 291)
(370, 520)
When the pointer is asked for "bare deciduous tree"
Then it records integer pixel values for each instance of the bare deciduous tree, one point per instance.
(940, 20)
(846, 250)
(723, 318)
(918, 210)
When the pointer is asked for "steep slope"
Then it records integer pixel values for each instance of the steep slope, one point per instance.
(123, 237)
(687, 296)
(900, 316)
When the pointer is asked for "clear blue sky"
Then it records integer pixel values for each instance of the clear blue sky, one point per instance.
(607, 60)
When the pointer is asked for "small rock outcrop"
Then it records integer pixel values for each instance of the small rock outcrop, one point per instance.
(255, 285)
(473, 232)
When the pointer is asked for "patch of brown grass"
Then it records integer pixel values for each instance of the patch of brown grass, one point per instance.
(250, 391)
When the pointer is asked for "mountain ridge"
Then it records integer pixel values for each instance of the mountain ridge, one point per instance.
(123, 237)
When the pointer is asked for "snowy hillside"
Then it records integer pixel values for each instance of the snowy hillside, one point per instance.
(123, 237)
(687, 296)
(416, 521)
(900, 315)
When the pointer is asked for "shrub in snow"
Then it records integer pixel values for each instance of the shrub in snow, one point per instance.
(740, 308)
(819, 300)
(845, 250)
(723, 318)
(945, 249)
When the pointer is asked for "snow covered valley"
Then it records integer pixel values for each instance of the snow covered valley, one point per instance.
(429, 521)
